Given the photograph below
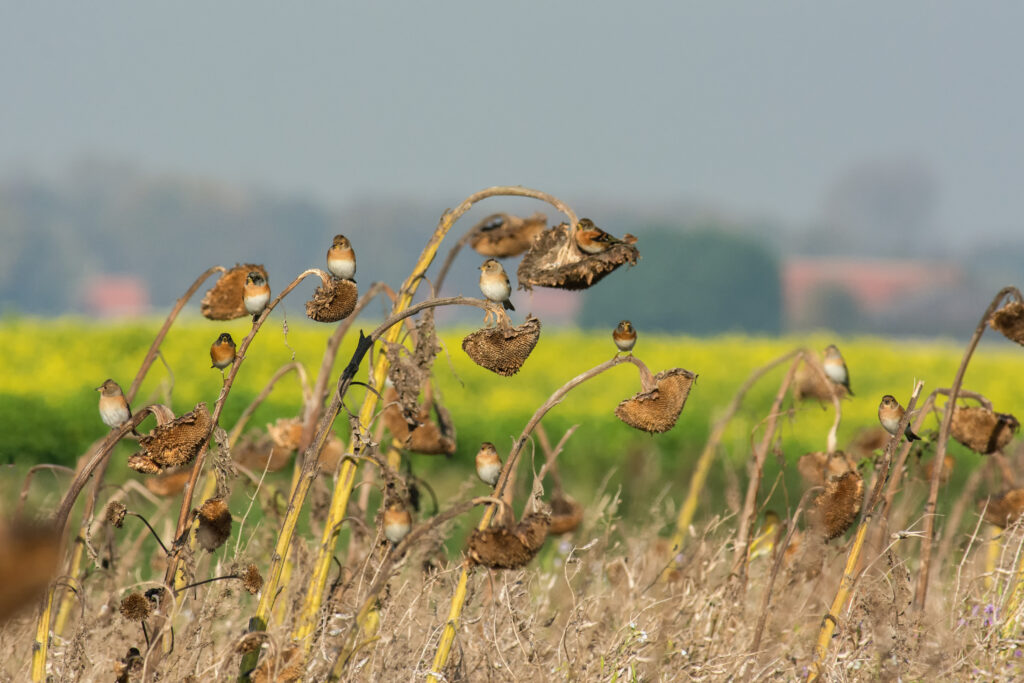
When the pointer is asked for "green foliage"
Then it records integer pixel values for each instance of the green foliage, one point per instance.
(701, 282)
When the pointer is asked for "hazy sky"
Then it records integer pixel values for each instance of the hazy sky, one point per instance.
(757, 108)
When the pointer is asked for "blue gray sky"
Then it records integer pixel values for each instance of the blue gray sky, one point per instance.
(755, 108)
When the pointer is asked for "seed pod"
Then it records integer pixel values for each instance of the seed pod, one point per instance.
(1010, 321)
(333, 300)
(810, 384)
(427, 437)
(214, 524)
(115, 512)
(554, 261)
(167, 484)
(818, 468)
(982, 430)
(502, 351)
(224, 300)
(509, 547)
(503, 235)
(1004, 510)
(173, 444)
(947, 469)
(251, 579)
(135, 607)
(566, 515)
(656, 410)
(836, 509)
(29, 557)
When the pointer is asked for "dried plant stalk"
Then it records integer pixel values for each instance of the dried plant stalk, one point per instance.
(940, 451)
(458, 599)
(828, 624)
(707, 456)
(755, 470)
(346, 476)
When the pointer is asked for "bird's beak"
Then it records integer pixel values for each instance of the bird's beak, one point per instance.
(98, 389)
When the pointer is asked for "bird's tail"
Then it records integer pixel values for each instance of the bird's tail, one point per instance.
(508, 305)
(911, 436)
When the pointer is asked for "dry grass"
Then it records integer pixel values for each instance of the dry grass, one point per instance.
(590, 607)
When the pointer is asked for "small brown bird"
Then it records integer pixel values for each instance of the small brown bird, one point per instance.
(397, 522)
(256, 293)
(592, 239)
(341, 259)
(835, 367)
(890, 412)
(488, 463)
(114, 410)
(625, 336)
(222, 353)
(495, 285)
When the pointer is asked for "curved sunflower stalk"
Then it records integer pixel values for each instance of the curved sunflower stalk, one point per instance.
(346, 474)
(66, 601)
(444, 645)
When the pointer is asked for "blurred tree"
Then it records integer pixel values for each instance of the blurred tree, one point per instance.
(833, 307)
(701, 282)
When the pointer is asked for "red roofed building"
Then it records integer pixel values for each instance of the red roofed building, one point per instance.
(116, 296)
(875, 286)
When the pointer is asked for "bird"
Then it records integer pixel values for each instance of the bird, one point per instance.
(495, 285)
(256, 293)
(835, 368)
(488, 463)
(592, 239)
(625, 336)
(341, 259)
(222, 353)
(890, 412)
(397, 522)
(114, 410)
(493, 222)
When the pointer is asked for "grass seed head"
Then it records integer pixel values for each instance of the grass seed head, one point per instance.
(115, 513)
(214, 524)
(135, 607)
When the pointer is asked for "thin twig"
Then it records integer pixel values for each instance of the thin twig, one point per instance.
(756, 470)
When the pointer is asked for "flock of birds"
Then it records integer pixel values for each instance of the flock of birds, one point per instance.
(495, 286)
